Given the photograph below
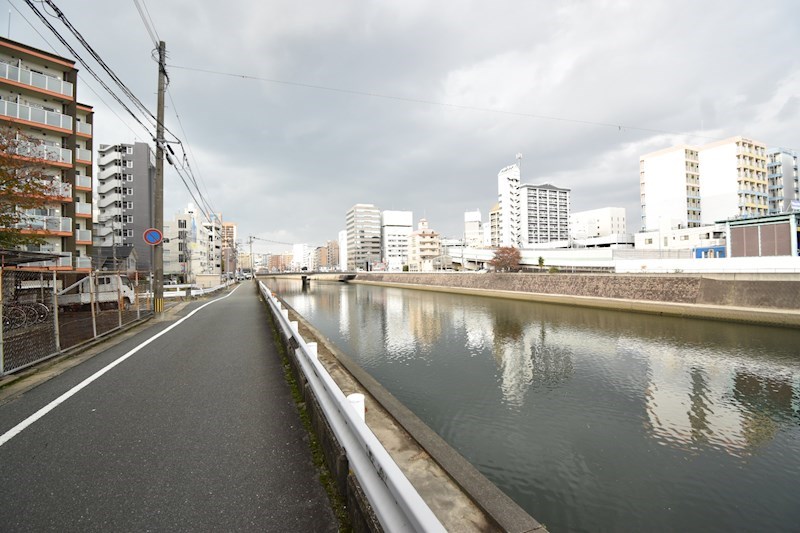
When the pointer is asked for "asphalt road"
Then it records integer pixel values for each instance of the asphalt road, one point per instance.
(196, 431)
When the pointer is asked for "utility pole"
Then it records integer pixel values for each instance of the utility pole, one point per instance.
(158, 200)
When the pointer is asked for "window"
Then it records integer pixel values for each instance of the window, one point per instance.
(129, 149)
(129, 177)
(129, 164)
(182, 224)
(128, 190)
(128, 205)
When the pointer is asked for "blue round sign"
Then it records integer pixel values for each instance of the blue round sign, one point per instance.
(153, 236)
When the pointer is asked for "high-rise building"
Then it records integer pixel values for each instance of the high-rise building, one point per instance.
(396, 226)
(363, 223)
(669, 188)
(783, 177)
(545, 214)
(342, 237)
(38, 96)
(493, 227)
(508, 200)
(124, 203)
(473, 229)
(733, 180)
(424, 247)
(229, 247)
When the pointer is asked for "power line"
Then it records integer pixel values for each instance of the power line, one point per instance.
(355, 92)
(150, 29)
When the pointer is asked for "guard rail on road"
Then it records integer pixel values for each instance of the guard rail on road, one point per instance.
(393, 498)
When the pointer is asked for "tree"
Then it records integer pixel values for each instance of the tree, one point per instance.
(24, 184)
(541, 262)
(506, 259)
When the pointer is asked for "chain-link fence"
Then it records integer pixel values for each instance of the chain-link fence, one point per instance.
(47, 312)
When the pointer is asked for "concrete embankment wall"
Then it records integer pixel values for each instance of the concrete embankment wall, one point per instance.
(770, 300)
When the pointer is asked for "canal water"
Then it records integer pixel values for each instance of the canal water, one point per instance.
(590, 420)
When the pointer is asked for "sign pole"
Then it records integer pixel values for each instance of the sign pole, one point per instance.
(158, 203)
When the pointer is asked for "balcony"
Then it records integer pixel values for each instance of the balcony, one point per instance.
(84, 128)
(61, 190)
(83, 155)
(83, 209)
(83, 236)
(83, 182)
(34, 79)
(34, 114)
(83, 263)
(45, 152)
(63, 262)
(45, 223)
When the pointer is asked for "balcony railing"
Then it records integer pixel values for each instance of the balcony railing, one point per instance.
(83, 181)
(61, 190)
(83, 235)
(45, 223)
(83, 262)
(34, 79)
(34, 114)
(82, 127)
(83, 208)
(64, 261)
(43, 151)
(83, 155)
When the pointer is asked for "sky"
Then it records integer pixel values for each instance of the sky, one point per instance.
(292, 112)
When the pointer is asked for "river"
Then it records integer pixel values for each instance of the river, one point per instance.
(591, 420)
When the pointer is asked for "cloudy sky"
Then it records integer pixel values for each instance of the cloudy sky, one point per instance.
(291, 112)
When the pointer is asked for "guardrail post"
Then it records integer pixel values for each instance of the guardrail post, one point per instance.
(311, 348)
(55, 312)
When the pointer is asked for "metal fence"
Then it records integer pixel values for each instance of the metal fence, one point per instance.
(46, 312)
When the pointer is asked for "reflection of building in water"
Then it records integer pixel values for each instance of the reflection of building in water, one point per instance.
(344, 312)
(424, 321)
(400, 341)
(705, 401)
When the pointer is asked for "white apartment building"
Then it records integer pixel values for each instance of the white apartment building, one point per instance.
(124, 203)
(782, 177)
(396, 226)
(508, 200)
(733, 180)
(545, 215)
(301, 257)
(192, 247)
(670, 239)
(669, 188)
(473, 229)
(229, 231)
(343, 250)
(424, 248)
(602, 222)
(491, 231)
(38, 96)
(363, 223)
(213, 233)
(690, 186)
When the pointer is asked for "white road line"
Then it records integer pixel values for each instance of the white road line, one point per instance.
(13, 432)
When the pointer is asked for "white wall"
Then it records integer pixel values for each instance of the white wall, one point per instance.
(665, 187)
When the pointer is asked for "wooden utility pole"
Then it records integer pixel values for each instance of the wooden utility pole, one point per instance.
(158, 199)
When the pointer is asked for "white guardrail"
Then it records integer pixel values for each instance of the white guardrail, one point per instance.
(395, 501)
(179, 291)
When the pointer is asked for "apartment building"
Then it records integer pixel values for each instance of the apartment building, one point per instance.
(544, 214)
(424, 248)
(782, 178)
(491, 232)
(124, 199)
(229, 247)
(396, 226)
(508, 201)
(669, 188)
(601, 222)
(691, 186)
(733, 180)
(363, 225)
(192, 246)
(38, 96)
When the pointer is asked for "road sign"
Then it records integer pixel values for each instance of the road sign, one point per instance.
(153, 236)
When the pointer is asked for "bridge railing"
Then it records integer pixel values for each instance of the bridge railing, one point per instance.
(394, 500)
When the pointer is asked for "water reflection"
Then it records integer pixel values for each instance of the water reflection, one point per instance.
(614, 412)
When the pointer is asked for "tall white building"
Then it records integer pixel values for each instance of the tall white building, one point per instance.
(782, 176)
(601, 222)
(363, 223)
(343, 250)
(669, 188)
(125, 198)
(733, 180)
(508, 199)
(192, 246)
(473, 229)
(691, 186)
(545, 214)
(301, 257)
(396, 226)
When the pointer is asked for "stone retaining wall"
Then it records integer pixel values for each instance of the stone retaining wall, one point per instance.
(678, 289)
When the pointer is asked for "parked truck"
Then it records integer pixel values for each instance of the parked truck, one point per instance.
(110, 290)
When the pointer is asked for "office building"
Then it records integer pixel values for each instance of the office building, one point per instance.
(124, 203)
(38, 96)
(396, 226)
(363, 223)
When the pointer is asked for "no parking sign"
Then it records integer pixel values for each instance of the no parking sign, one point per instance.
(153, 236)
